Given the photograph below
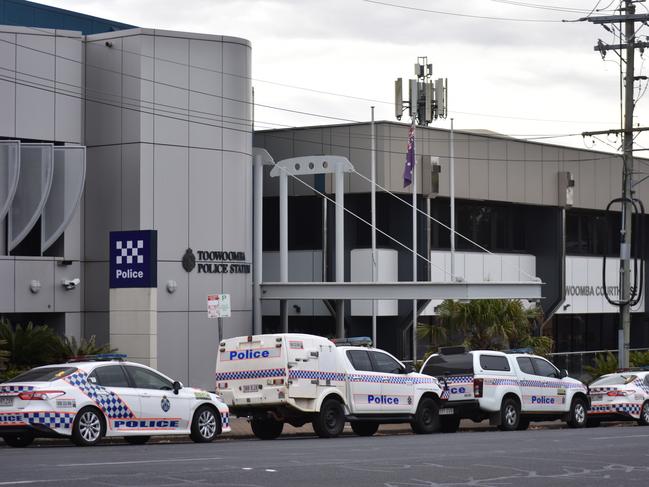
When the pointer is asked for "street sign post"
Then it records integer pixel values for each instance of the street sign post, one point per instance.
(218, 306)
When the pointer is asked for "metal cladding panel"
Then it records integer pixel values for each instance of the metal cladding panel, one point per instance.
(68, 179)
(34, 183)
(9, 171)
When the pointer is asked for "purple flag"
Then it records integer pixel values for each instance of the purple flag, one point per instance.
(410, 158)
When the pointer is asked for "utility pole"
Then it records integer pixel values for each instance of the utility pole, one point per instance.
(626, 297)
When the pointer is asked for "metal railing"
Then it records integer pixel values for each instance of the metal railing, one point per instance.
(575, 362)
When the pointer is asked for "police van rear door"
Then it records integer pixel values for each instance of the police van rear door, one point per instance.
(304, 371)
(248, 366)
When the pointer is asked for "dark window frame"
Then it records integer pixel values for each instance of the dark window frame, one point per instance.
(375, 365)
(126, 376)
(497, 357)
(369, 359)
(557, 374)
(135, 384)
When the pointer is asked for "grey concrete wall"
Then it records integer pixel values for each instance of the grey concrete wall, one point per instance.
(487, 166)
(169, 148)
(41, 91)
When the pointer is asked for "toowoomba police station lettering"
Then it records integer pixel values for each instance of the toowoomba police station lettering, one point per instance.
(221, 262)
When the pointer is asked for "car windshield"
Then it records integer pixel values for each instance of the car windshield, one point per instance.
(43, 374)
(615, 380)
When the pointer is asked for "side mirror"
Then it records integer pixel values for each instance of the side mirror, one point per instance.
(177, 386)
(563, 373)
(407, 369)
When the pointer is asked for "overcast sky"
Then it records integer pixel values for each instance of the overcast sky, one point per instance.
(527, 75)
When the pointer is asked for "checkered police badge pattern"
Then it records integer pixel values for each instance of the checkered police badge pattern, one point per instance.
(250, 374)
(130, 252)
(110, 403)
(225, 419)
(50, 419)
(12, 389)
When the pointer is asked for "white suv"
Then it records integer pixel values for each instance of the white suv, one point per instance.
(295, 378)
(509, 389)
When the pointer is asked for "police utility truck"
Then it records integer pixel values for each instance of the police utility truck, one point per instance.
(509, 389)
(297, 378)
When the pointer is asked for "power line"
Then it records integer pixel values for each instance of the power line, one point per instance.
(457, 14)
(291, 86)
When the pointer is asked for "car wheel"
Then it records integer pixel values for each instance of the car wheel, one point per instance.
(449, 424)
(523, 424)
(88, 427)
(330, 421)
(364, 429)
(20, 440)
(510, 414)
(206, 425)
(266, 429)
(644, 414)
(426, 418)
(137, 440)
(578, 413)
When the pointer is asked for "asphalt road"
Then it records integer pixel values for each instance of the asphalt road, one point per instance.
(542, 457)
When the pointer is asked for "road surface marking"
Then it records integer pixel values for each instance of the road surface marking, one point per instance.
(137, 461)
(614, 437)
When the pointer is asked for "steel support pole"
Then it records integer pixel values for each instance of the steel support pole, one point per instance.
(373, 203)
(257, 266)
(340, 248)
(627, 193)
(283, 245)
(452, 196)
(414, 247)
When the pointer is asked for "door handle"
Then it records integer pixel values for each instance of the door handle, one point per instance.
(145, 394)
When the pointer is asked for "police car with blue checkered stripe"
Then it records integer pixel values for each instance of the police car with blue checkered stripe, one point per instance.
(103, 395)
(623, 395)
(298, 378)
(510, 389)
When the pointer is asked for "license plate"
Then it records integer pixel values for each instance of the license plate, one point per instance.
(6, 401)
(446, 411)
(250, 388)
(596, 397)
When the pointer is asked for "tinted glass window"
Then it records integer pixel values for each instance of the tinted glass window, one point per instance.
(147, 379)
(43, 374)
(386, 364)
(458, 364)
(109, 376)
(615, 379)
(494, 362)
(525, 364)
(545, 368)
(646, 380)
(360, 359)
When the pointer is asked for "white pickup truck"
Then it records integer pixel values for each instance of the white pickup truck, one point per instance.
(509, 389)
(298, 378)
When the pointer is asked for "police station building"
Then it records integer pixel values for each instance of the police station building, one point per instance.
(126, 198)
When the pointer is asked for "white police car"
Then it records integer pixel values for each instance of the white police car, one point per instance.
(105, 396)
(623, 395)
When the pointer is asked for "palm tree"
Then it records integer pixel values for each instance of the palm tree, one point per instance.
(487, 324)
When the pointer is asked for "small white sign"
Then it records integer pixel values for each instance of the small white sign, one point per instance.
(218, 306)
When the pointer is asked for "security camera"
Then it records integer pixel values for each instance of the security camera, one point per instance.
(70, 284)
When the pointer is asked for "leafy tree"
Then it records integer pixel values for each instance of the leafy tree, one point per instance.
(4, 355)
(30, 345)
(606, 363)
(492, 324)
(69, 347)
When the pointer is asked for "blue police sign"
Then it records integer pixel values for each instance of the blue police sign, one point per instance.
(133, 259)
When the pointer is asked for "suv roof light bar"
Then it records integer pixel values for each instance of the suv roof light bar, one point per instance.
(353, 342)
(520, 350)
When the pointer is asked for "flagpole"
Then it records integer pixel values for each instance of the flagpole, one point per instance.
(373, 204)
(414, 242)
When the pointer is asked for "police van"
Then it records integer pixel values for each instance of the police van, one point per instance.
(509, 389)
(297, 378)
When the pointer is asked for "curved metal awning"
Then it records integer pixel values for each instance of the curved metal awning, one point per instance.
(34, 183)
(68, 179)
(9, 171)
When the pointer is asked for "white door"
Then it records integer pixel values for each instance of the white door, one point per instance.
(553, 396)
(162, 410)
(110, 389)
(364, 383)
(397, 392)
